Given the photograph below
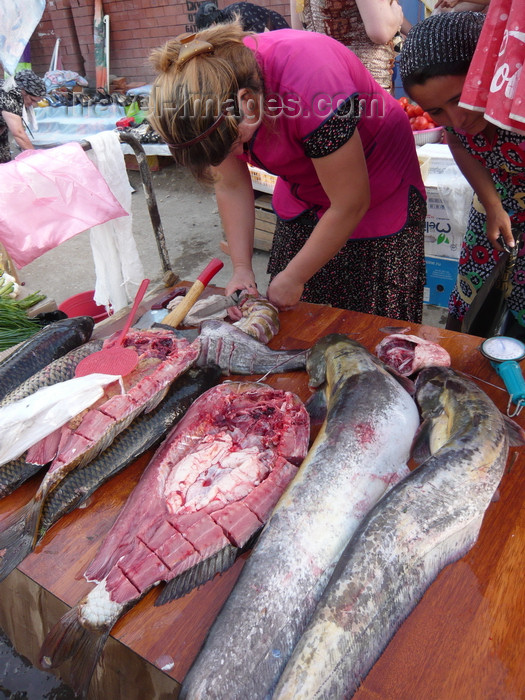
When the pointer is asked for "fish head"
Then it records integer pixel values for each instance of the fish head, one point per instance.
(327, 354)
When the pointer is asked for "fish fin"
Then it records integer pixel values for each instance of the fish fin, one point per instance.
(420, 450)
(198, 575)
(18, 537)
(317, 407)
(515, 431)
(69, 639)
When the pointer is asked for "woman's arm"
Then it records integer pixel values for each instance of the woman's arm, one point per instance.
(498, 221)
(382, 19)
(344, 178)
(16, 127)
(235, 200)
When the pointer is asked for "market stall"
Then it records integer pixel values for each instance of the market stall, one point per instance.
(464, 639)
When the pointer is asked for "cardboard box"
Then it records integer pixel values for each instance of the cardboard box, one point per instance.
(261, 180)
(441, 278)
(449, 197)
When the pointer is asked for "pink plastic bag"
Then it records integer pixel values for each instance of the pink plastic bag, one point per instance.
(48, 196)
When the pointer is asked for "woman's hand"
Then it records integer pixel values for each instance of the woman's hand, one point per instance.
(284, 292)
(498, 224)
(242, 278)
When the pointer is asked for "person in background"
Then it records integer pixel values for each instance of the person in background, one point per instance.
(434, 63)
(28, 91)
(372, 29)
(254, 18)
(349, 198)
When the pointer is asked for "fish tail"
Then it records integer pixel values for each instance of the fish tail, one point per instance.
(70, 639)
(18, 537)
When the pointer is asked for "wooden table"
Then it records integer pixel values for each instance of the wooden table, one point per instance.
(465, 639)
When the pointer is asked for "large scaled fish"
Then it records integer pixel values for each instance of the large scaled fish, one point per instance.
(428, 520)
(53, 341)
(59, 370)
(237, 352)
(145, 431)
(162, 358)
(210, 486)
(359, 453)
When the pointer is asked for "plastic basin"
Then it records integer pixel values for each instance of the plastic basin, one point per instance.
(83, 305)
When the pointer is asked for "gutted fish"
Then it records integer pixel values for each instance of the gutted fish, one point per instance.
(427, 521)
(210, 486)
(47, 345)
(236, 352)
(359, 453)
(145, 431)
(162, 358)
(408, 354)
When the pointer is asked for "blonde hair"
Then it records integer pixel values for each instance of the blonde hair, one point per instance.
(188, 98)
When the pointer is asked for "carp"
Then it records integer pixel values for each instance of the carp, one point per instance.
(59, 370)
(47, 345)
(430, 519)
(359, 453)
(209, 487)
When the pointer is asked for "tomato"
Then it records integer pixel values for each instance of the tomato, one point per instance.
(420, 123)
(418, 111)
(431, 122)
(403, 101)
(411, 110)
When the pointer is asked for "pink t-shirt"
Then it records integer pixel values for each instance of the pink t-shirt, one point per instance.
(306, 76)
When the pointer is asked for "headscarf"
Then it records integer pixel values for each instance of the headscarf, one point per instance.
(445, 38)
(31, 83)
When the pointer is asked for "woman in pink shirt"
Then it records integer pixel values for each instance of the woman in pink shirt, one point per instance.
(349, 196)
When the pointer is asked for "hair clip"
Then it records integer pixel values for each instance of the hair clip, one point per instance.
(191, 47)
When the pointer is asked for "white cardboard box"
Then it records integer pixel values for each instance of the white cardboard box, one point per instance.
(449, 197)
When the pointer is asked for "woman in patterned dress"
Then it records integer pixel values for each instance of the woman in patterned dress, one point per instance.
(434, 64)
(28, 91)
(349, 196)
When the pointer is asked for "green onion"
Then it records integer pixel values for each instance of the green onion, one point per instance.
(15, 324)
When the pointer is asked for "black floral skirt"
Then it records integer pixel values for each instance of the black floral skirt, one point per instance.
(382, 276)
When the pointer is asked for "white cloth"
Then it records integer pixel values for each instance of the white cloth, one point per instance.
(118, 268)
(18, 21)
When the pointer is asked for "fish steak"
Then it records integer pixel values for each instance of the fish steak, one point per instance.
(359, 453)
(209, 487)
(430, 519)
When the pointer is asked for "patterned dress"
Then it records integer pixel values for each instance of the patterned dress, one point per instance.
(13, 102)
(343, 22)
(504, 156)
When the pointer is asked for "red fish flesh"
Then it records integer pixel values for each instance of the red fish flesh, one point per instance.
(162, 358)
(209, 488)
(408, 354)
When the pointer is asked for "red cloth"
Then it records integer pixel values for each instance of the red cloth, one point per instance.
(495, 83)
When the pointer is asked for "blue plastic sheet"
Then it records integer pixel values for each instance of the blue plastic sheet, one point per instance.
(18, 21)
